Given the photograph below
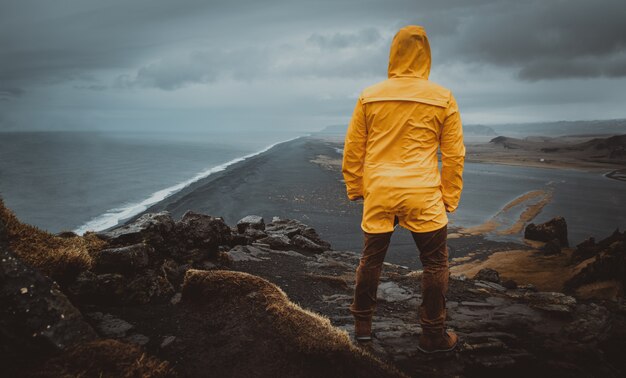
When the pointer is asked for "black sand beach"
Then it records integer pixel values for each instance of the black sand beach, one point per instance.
(300, 179)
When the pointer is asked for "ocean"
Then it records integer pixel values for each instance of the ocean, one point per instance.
(93, 181)
(592, 204)
(81, 181)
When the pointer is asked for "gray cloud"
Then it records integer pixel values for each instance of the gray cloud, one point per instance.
(85, 63)
(359, 54)
(547, 39)
(344, 40)
(9, 93)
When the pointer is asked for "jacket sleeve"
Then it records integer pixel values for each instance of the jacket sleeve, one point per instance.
(354, 152)
(452, 156)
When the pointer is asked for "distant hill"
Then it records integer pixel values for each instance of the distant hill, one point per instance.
(561, 128)
(522, 130)
(478, 130)
(613, 147)
(467, 129)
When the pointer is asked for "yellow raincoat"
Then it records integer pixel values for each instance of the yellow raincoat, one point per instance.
(390, 152)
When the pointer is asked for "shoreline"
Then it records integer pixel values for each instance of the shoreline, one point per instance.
(121, 215)
(301, 179)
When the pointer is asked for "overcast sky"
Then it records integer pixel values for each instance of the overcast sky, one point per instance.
(183, 65)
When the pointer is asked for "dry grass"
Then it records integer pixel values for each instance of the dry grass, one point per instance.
(306, 334)
(547, 273)
(59, 258)
(105, 358)
(340, 282)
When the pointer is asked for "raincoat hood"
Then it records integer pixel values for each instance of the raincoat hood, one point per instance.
(410, 53)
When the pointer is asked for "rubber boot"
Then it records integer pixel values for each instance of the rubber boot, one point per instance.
(445, 341)
(363, 330)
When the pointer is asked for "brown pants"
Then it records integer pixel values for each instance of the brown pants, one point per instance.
(434, 256)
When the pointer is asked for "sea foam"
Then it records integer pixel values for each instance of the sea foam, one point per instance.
(113, 217)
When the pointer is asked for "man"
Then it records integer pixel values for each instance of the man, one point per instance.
(390, 161)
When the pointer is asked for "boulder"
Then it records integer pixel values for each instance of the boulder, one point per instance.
(36, 318)
(510, 284)
(553, 247)
(292, 227)
(251, 221)
(147, 287)
(551, 302)
(392, 292)
(254, 234)
(109, 326)
(152, 228)
(245, 253)
(276, 241)
(487, 274)
(202, 232)
(94, 288)
(555, 228)
(609, 264)
(306, 244)
(122, 259)
(590, 248)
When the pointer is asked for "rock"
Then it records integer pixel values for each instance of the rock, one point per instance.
(147, 287)
(487, 274)
(254, 222)
(585, 250)
(176, 298)
(392, 292)
(253, 234)
(337, 298)
(551, 302)
(152, 228)
(527, 287)
(202, 232)
(509, 284)
(292, 227)
(489, 285)
(589, 248)
(109, 326)
(553, 247)
(239, 239)
(306, 244)
(174, 272)
(591, 323)
(138, 339)
(167, 340)
(556, 228)
(98, 288)
(609, 264)
(35, 316)
(122, 259)
(245, 253)
(276, 241)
